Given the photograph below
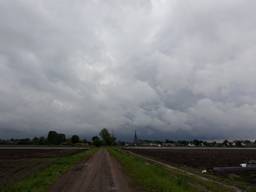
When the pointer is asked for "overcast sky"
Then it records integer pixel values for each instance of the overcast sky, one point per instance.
(168, 68)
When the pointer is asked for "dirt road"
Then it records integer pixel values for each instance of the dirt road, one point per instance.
(101, 173)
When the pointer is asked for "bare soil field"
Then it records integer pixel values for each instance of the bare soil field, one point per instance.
(15, 164)
(13, 154)
(12, 171)
(199, 158)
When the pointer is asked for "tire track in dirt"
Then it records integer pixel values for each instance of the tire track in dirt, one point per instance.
(101, 173)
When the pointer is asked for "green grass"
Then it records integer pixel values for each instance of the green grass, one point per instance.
(156, 178)
(42, 180)
(241, 180)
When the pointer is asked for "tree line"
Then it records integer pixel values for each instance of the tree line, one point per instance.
(55, 138)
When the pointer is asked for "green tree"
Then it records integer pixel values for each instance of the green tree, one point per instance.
(225, 143)
(197, 142)
(52, 137)
(238, 143)
(35, 141)
(61, 138)
(75, 139)
(96, 141)
(55, 139)
(42, 141)
(106, 137)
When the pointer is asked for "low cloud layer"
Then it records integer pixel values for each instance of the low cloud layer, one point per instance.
(168, 68)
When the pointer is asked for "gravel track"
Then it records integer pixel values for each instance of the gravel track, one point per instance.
(101, 173)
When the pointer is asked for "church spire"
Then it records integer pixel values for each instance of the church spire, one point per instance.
(135, 140)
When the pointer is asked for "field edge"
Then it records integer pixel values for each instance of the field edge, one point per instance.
(42, 180)
(156, 177)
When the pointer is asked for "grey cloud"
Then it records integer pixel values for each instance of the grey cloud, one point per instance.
(166, 68)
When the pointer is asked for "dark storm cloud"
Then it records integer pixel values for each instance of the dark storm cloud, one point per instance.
(167, 68)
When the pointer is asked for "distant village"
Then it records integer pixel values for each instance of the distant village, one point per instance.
(189, 143)
(55, 138)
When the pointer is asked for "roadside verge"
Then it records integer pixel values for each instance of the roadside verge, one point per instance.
(154, 176)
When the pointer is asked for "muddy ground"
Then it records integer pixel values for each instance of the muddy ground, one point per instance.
(101, 173)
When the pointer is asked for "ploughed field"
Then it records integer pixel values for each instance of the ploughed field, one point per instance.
(203, 158)
(197, 159)
(35, 153)
(15, 164)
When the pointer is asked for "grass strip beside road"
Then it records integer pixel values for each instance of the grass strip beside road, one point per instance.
(156, 178)
(42, 180)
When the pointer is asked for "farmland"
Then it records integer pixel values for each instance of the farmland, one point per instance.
(31, 153)
(197, 159)
(154, 176)
(97, 169)
(17, 164)
(203, 158)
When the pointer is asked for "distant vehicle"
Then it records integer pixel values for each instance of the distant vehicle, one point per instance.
(251, 163)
